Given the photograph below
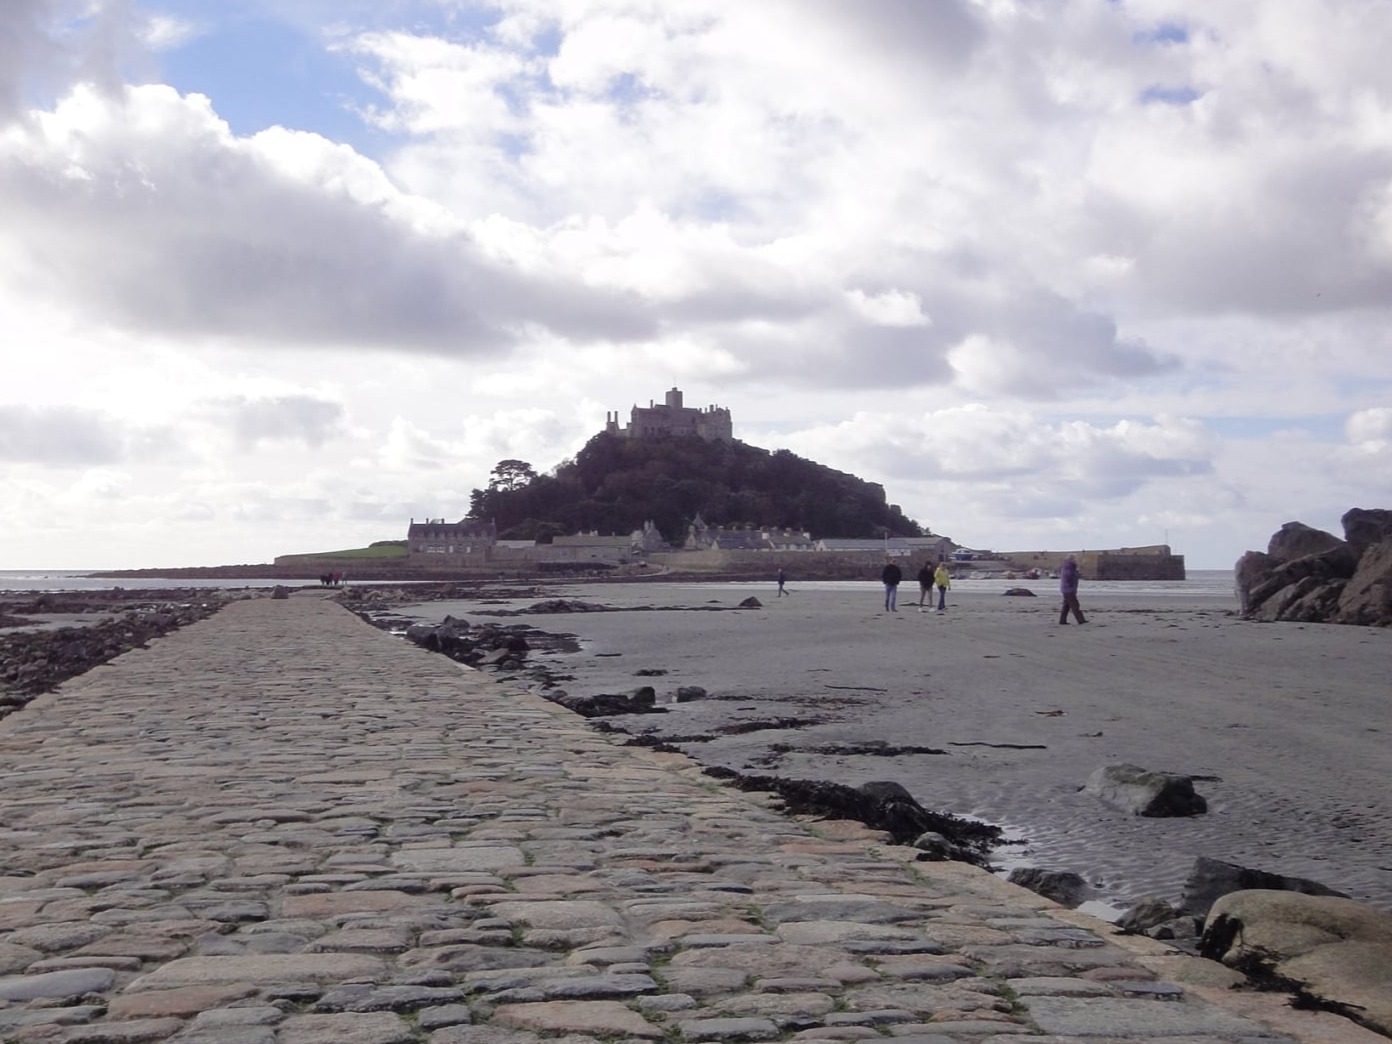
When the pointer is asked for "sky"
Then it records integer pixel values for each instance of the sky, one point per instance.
(278, 276)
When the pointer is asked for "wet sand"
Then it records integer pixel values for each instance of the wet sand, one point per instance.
(1285, 726)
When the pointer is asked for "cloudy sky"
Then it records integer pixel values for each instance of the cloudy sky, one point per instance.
(279, 275)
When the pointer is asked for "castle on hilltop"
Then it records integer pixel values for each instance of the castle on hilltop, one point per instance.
(672, 418)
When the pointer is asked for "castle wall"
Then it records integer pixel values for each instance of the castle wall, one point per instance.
(839, 565)
(1154, 562)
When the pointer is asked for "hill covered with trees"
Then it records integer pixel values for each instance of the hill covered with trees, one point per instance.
(616, 483)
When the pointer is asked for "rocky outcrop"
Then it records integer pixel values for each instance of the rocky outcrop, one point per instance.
(485, 645)
(1335, 952)
(1310, 575)
(36, 661)
(881, 805)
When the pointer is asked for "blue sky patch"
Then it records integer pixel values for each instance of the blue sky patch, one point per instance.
(1163, 34)
(1157, 95)
(1328, 427)
(262, 74)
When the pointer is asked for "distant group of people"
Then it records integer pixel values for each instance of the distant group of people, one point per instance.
(331, 579)
(928, 578)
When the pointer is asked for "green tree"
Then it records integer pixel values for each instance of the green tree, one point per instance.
(509, 475)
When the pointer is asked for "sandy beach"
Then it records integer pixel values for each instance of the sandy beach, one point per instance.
(1284, 726)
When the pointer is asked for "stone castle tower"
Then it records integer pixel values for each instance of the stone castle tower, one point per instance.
(712, 423)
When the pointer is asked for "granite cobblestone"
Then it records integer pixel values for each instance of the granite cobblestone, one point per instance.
(283, 826)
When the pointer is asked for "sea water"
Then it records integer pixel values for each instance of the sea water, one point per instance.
(1201, 583)
(1217, 584)
(83, 580)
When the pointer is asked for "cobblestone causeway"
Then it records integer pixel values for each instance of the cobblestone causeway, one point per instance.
(282, 826)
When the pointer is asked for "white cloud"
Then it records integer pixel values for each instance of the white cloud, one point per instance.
(58, 436)
(1149, 243)
(1371, 430)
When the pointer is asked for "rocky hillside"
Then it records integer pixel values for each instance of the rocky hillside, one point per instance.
(615, 484)
(1310, 575)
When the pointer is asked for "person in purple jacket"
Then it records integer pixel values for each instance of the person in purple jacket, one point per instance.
(1068, 584)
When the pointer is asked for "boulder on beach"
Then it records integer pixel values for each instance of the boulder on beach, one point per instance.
(1335, 951)
(1145, 793)
(1211, 879)
(1309, 575)
(1062, 886)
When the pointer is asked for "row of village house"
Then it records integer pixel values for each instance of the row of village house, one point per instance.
(435, 543)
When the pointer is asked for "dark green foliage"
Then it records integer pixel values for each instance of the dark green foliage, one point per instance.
(615, 484)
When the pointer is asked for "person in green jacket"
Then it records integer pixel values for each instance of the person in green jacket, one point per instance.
(944, 581)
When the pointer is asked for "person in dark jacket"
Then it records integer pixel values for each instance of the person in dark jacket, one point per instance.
(890, 576)
(1068, 585)
(925, 585)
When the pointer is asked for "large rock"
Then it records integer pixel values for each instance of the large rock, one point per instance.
(1367, 597)
(1145, 793)
(1251, 569)
(1062, 886)
(1211, 879)
(1312, 576)
(1364, 527)
(1297, 540)
(1334, 949)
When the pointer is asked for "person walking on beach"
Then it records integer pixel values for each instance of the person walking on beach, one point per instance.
(1068, 586)
(944, 581)
(925, 584)
(782, 580)
(890, 576)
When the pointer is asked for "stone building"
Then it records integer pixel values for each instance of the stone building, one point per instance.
(435, 543)
(672, 418)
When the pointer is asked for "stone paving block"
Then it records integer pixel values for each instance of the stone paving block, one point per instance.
(226, 1035)
(57, 985)
(51, 938)
(459, 860)
(778, 1006)
(1059, 986)
(705, 982)
(362, 940)
(14, 958)
(325, 905)
(188, 1000)
(734, 1029)
(444, 1015)
(985, 1031)
(1093, 1017)
(374, 1028)
(562, 915)
(817, 932)
(70, 963)
(135, 1031)
(14, 1021)
(600, 1018)
(307, 967)
(924, 969)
